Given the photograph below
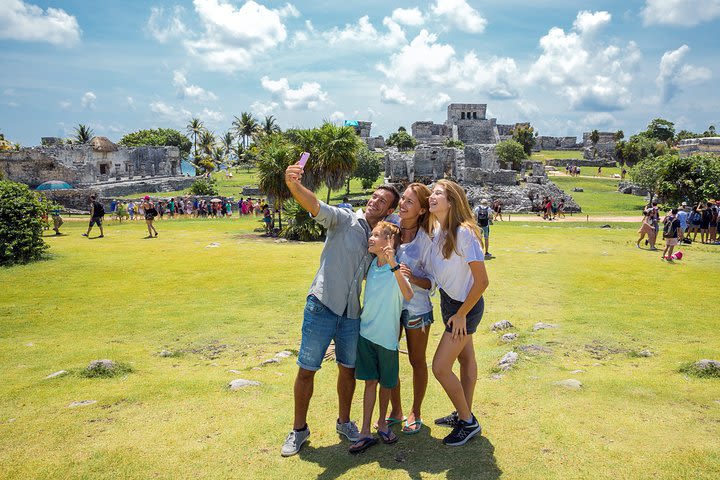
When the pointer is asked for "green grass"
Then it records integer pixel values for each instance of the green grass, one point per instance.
(600, 196)
(544, 155)
(233, 306)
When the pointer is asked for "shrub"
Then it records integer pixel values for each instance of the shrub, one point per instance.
(300, 225)
(511, 152)
(368, 167)
(20, 224)
(204, 186)
(449, 142)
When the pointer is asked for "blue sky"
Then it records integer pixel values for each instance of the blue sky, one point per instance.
(565, 66)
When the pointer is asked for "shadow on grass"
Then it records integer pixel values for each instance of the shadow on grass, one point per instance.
(415, 454)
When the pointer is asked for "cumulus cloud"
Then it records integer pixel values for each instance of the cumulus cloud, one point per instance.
(164, 30)
(336, 116)
(288, 10)
(309, 96)
(681, 13)
(65, 105)
(88, 100)
(26, 22)
(426, 62)
(211, 115)
(599, 120)
(439, 101)
(591, 74)
(263, 108)
(412, 17)
(674, 74)
(394, 95)
(190, 91)
(459, 14)
(168, 112)
(527, 108)
(364, 33)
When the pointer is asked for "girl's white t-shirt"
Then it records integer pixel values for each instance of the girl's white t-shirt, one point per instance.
(415, 254)
(453, 275)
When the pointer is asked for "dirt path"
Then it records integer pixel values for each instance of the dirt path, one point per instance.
(580, 217)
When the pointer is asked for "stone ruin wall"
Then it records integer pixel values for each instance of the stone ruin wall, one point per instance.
(604, 149)
(80, 165)
(429, 132)
(694, 146)
(557, 143)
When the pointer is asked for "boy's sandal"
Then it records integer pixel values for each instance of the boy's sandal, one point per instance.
(409, 428)
(362, 444)
(388, 437)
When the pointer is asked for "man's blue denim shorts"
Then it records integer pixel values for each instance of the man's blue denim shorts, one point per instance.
(320, 327)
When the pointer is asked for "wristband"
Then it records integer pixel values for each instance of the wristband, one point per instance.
(395, 268)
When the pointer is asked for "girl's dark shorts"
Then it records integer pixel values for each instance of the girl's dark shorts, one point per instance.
(450, 306)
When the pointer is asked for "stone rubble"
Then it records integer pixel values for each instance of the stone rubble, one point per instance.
(239, 383)
(508, 361)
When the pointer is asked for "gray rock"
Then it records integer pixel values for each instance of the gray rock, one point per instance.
(543, 326)
(707, 365)
(236, 372)
(577, 371)
(501, 325)
(509, 337)
(166, 353)
(497, 376)
(269, 361)
(508, 361)
(81, 403)
(281, 240)
(283, 354)
(239, 383)
(534, 349)
(645, 353)
(570, 383)
(578, 189)
(57, 374)
(101, 366)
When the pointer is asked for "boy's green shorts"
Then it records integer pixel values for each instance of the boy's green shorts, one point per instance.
(374, 362)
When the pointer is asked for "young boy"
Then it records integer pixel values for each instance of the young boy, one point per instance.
(671, 234)
(377, 352)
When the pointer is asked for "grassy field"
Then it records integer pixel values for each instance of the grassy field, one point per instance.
(544, 155)
(236, 304)
(600, 196)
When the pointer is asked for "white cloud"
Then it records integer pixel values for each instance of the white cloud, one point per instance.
(288, 10)
(439, 101)
(365, 34)
(65, 105)
(681, 13)
(234, 37)
(130, 102)
(168, 112)
(165, 30)
(190, 91)
(88, 100)
(590, 74)
(336, 116)
(527, 108)
(309, 96)
(9, 92)
(25, 22)
(394, 95)
(599, 120)
(412, 17)
(460, 15)
(674, 74)
(425, 62)
(211, 115)
(263, 109)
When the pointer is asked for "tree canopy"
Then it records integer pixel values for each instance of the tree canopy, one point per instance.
(511, 152)
(402, 140)
(525, 136)
(159, 137)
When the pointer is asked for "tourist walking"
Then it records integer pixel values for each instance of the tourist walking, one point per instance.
(483, 214)
(97, 213)
(671, 234)
(150, 214)
(646, 228)
(131, 210)
(57, 221)
(377, 359)
(332, 310)
(458, 268)
(417, 313)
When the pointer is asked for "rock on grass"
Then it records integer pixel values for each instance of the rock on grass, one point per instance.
(501, 325)
(239, 383)
(82, 403)
(543, 326)
(509, 337)
(570, 384)
(702, 368)
(105, 369)
(508, 361)
(57, 374)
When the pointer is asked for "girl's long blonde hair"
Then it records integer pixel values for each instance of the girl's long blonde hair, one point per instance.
(459, 215)
(423, 194)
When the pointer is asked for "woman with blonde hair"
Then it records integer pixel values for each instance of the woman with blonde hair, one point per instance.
(417, 313)
(458, 267)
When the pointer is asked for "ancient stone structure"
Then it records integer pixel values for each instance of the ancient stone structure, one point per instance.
(557, 143)
(603, 149)
(466, 122)
(429, 132)
(363, 130)
(693, 146)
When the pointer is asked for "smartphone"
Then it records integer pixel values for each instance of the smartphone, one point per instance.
(303, 159)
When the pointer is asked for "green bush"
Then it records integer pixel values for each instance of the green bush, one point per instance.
(300, 225)
(449, 142)
(368, 167)
(20, 224)
(204, 186)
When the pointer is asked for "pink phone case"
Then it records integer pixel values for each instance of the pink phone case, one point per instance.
(303, 159)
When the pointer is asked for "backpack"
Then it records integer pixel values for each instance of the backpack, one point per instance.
(98, 209)
(482, 216)
(670, 228)
(695, 217)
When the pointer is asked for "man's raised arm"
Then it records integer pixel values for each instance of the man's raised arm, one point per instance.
(306, 198)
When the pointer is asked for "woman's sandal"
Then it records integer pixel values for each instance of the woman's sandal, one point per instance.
(388, 437)
(390, 421)
(408, 428)
(362, 444)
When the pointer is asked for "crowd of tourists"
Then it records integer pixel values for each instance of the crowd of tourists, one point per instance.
(550, 208)
(680, 226)
(432, 242)
(187, 207)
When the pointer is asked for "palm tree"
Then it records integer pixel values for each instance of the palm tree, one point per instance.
(218, 155)
(83, 133)
(227, 142)
(274, 157)
(246, 127)
(270, 126)
(195, 128)
(308, 141)
(337, 154)
(207, 142)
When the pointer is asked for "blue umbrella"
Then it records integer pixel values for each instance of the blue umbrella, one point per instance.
(54, 185)
(351, 123)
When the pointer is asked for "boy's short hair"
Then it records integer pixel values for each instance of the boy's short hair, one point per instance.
(391, 229)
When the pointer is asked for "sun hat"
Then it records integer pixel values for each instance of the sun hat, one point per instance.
(683, 204)
(147, 197)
